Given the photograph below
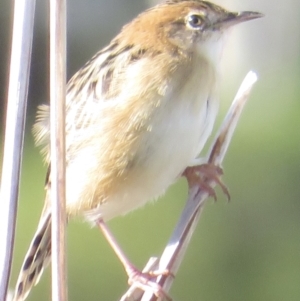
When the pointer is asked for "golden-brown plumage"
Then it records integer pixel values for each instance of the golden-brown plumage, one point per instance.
(137, 114)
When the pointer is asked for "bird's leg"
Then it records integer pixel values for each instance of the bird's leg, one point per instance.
(144, 281)
(201, 175)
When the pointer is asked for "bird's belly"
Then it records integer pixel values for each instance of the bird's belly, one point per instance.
(174, 138)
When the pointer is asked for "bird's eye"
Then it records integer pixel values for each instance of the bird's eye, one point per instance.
(194, 21)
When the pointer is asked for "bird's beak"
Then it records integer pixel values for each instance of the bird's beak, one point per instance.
(236, 18)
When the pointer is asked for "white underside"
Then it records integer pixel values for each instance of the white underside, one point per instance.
(178, 134)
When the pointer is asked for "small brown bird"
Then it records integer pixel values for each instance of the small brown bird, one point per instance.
(137, 114)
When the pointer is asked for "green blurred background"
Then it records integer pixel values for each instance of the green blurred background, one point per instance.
(248, 249)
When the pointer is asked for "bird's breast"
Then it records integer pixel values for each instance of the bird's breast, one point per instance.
(173, 136)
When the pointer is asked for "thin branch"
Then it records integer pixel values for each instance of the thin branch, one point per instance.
(178, 243)
(58, 165)
(14, 132)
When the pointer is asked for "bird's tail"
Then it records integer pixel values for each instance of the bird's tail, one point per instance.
(37, 258)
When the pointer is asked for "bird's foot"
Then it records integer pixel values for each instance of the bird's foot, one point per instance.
(202, 175)
(146, 281)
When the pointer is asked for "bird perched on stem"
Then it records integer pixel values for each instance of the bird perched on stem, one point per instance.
(138, 114)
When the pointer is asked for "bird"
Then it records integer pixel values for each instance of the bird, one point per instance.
(138, 113)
